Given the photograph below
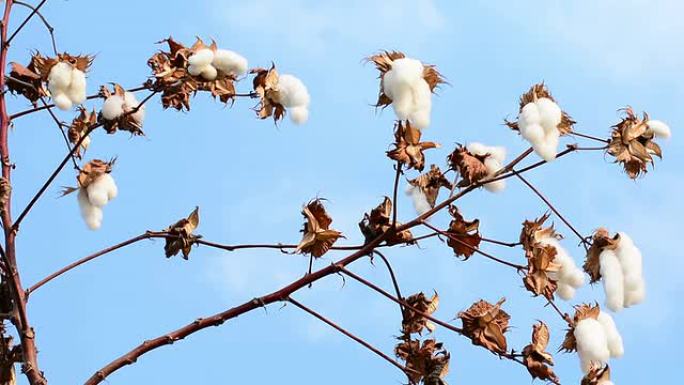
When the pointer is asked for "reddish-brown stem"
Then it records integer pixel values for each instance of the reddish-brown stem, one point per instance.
(475, 249)
(393, 277)
(496, 242)
(553, 208)
(512, 164)
(564, 316)
(394, 194)
(350, 335)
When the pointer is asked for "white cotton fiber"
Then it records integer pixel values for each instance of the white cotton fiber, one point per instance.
(77, 88)
(422, 105)
(201, 58)
(294, 96)
(476, 148)
(569, 275)
(660, 129)
(566, 292)
(209, 72)
(538, 123)
(410, 93)
(113, 107)
(131, 103)
(420, 202)
(613, 336)
(592, 343)
(92, 215)
(60, 76)
(229, 62)
(550, 113)
(102, 190)
(195, 70)
(86, 142)
(630, 259)
(493, 165)
(493, 162)
(61, 100)
(613, 280)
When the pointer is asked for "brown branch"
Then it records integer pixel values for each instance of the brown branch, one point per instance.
(497, 242)
(394, 194)
(575, 133)
(45, 22)
(23, 23)
(60, 126)
(551, 206)
(475, 249)
(393, 277)
(565, 316)
(363, 343)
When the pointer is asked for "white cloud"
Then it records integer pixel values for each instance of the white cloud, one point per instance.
(308, 26)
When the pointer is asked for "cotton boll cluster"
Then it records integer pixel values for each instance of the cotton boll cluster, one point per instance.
(569, 277)
(660, 129)
(116, 105)
(493, 162)
(207, 63)
(597, 341)
(67, 85)
(538, 123)
(94, 197)
(622, 274)
(294, 96)
(420, 202)
(410, 92)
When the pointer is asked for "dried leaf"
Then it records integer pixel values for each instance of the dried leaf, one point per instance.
(79, 126)
(536, 358)
(414, 322)
(485, 324)
(597, 375)
(430, 182)
(464, 235)
(379, 221)
(427, 362)
(318, 237)
(470, 167)
(92, 171)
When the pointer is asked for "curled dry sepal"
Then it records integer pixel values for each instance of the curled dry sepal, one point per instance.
(485, 325)
(408, 149)
(318, 236)
(121, 111)
(379, 221)
(467, 232)
(427, 361)
(597, 375)
(425, 188)
(172, 78)
(414, 322)
(537, 360)
(181, 237)
(471, 167)
(37, 73)
(79, 127)
(540, 257)
(632, 142)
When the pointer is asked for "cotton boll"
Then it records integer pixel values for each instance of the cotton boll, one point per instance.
(402, 104)
(550, 113)
(86, 142)
(292, 91)
(110, 186)
(576, 278)
(477, 148)
(113, 107)
(613, 336)
(493, 166)
(613, 281)
(102, 190)
(635, 296)
(420, 202)
(299, 115)
(422, 104)
(209, 73)
(498, 153)
(404, 74)
(592, 343)
(533, 133)
(566, 292)
(660, 129)
(229, 62)
(77, 88)
(60, 77)
(529, 115)
(410, 94)
(92, 215)
(62, 101)
(201, 58)
(631, 261)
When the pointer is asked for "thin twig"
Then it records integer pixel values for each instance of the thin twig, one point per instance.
(363, 343)
(575, 133)
(494, 241)
(395, 282)
(394, 194)
(23, 23)
(61, 129)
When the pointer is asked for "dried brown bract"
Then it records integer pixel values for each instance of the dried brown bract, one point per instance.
(485, 324)
(79, 127)
(42, 65)
(31, 86)
(181, 237)
(92, 171)
(383, 63)
(378, 221)
(170, 69)
(632, 144)
(414, 322)
(537, 360)
(597, 376)
(583, 311)
(429, 184)
(265, 84)
(318, 237)
(601, 240)
(427, 362)
(536, 92)
(129, 119)
(469, 166)
(467, 232)
(540, 257)
(408, 149)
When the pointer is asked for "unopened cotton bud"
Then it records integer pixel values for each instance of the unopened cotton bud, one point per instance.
(229, 62)
(201, 58)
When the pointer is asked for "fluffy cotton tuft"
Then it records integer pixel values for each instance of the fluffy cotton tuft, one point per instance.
(660, 129)
(294, 96)
(410, 93)
(201, 58)
(493, 162)
(420, 202)
(592, 344)
(229, 62)
(92, 199)
(613, 336)
(92, 215)
(538, 123)
(569, 276)
(113, 107)
(67, 85)
(622, 274)
(613, 280)
(131, 103)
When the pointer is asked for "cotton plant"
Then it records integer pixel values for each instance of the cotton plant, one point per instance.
(541, 121)
(96, 188)
(617, 262)
(281, 94)
(122, 110)
(407, 84)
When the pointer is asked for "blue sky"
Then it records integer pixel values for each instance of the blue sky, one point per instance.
(250, 179)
